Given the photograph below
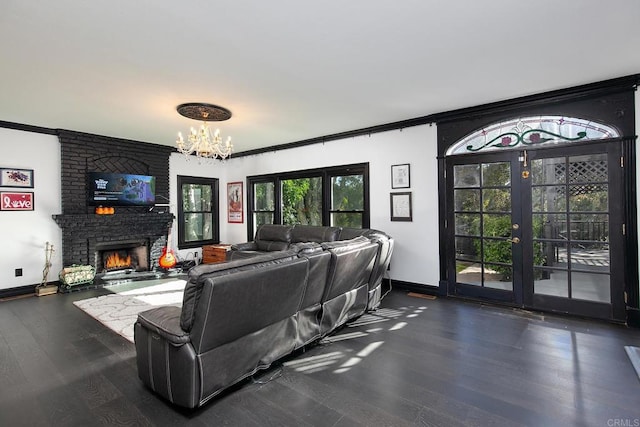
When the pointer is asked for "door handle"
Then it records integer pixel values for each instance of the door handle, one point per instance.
(514, 240)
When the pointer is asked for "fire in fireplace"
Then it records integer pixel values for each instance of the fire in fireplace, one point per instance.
(123, 255)
(115, 260)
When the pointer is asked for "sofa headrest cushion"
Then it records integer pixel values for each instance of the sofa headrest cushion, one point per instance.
(348, 233)
(346, 245)
(306, 248)
(312, 233)
(274, 233)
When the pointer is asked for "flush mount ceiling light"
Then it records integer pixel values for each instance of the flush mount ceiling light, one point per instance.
(202, 142)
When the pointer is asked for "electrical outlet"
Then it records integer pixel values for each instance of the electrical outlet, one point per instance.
(18, 272)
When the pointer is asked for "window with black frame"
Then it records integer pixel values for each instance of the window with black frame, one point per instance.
(198, 215)
(336, 196)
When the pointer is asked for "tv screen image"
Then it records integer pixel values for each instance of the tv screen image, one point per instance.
(117, 189)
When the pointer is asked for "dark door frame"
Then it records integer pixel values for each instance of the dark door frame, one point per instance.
(610, 102)
(522, 294)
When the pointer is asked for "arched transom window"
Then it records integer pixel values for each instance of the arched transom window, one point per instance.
(529, 131)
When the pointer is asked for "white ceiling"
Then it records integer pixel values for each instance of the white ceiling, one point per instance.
(290, 70)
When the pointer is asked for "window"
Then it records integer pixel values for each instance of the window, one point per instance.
(347, 200)
(523, 132)
(336, 196)
(264, 203)
(198, 218)
(301, 201)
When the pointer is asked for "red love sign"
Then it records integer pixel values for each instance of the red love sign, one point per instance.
(16, 201)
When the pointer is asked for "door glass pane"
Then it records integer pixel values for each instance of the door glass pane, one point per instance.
(467, 224)
(549, 226)
(551, 282)
(496, 200)
(468, 266)
(588, 168)
(549, 199)
(497, 251)
(591, 287)
(590, 227)
(590, 256)
(498, 277)
(588, 198)
(469, 273)
(550, 254)
(302, 201)
(548, 171)
(466, 200)
(466, 176)
(496, 174)
(495, 225)
(467, 249)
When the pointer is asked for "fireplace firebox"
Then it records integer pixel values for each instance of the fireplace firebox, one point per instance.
(130, 255)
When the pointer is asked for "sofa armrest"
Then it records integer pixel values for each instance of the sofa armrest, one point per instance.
(165, 321)
(247, 246)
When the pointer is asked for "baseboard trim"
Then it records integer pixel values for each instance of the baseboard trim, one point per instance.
(416, 287)
(19, 291)
(23, 290)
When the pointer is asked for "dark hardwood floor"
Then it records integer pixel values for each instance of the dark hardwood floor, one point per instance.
(415, 361)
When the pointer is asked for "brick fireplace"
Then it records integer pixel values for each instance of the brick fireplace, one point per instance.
(86, 235)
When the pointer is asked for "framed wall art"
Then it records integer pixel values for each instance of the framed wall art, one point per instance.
(400, 176)
(401, 207)
(22, 201)
(10, 177)
(235, 212)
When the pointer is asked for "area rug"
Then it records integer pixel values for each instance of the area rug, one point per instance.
(634, 357)
(119, 311)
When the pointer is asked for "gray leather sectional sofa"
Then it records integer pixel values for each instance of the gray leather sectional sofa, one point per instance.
(240, 316)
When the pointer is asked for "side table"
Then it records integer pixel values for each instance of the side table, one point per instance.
(212, 254)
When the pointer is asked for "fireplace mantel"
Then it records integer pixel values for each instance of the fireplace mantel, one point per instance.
(115, 220)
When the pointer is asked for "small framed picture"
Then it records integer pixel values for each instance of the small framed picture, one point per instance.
(22, 201)
(235, 212)
(401, 207)
(400, 176)
(10, 177)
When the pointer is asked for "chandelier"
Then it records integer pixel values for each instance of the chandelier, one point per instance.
(203, 142)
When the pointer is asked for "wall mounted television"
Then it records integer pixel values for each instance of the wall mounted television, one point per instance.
(120, 189)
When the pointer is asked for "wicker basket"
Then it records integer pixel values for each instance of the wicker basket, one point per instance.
(77, 275)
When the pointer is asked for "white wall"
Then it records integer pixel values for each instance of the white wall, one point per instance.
(416, 255)
(24, 234)
(415, 258)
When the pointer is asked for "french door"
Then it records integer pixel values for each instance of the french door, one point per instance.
(540, 229)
